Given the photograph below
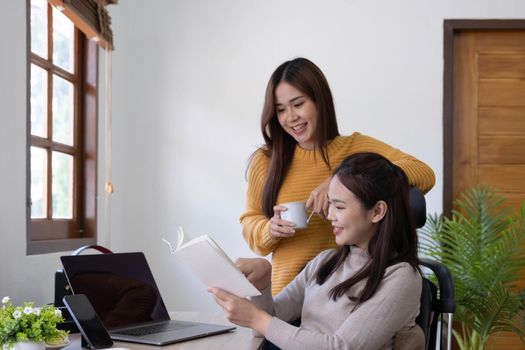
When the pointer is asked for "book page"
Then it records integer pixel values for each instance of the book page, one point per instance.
(199, 239)
(212, 265)
(219, 249)
(214, 269)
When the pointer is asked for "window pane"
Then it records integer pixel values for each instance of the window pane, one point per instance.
(62, 186)
(63, 41)
(38, 183)
(38, 101)
(39, 27)
(62, 111)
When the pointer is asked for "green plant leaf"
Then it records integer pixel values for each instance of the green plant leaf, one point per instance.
(482, 245)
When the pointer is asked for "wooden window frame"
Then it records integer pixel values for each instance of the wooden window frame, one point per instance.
(53, 235)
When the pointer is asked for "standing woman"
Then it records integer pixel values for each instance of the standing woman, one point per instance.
(302, 147)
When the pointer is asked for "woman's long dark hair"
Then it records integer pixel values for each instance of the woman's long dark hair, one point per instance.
(307, 78)
(372, 178)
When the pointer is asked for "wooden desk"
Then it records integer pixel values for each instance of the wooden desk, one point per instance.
(240, 338)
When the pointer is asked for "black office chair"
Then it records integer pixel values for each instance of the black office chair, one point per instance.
(437, 302)
(62, 287)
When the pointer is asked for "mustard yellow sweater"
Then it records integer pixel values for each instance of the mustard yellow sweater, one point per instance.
(305, 173)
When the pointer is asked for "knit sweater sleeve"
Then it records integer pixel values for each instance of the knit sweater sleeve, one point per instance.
(255, 225)
(287, 304)
(372, 325)
(419, 174)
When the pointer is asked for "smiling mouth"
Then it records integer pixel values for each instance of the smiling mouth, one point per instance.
(337, 230)
(298, 128)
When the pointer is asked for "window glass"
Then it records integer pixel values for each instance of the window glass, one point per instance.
(63, 41)
(63, 110)
(38, 183)
(38, 101)
(62, 185)
(39, 27)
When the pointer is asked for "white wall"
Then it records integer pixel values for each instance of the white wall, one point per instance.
(189, 78)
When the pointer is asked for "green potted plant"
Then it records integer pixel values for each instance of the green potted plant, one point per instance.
(30, 327)
(482, 244)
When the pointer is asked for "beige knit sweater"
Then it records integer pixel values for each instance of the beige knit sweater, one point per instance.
(328, 324)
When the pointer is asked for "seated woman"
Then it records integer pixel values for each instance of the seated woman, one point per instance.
(364, 294)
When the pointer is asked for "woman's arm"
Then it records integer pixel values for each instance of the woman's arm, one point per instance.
(262, 234)
(288, 303)
(372, 325)
(419, 174)
(257, 312)
(255, 225)
(241, 311)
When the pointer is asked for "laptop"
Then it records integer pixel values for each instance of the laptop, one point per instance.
(123, 292)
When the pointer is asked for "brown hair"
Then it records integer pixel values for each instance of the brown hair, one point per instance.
(372, 178)
(305, 76)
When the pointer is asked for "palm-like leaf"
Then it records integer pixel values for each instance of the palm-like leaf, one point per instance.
(482, 245)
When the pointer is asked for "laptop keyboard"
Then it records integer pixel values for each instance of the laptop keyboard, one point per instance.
(157, 328)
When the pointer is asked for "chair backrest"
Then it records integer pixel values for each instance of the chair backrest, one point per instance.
(426, 309)
(440, 301)
(418, 206)
(62, 287)
(436, 300)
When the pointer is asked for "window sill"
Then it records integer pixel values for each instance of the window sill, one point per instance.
(59, 245)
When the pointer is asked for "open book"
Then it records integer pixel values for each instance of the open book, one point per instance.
(211, 265)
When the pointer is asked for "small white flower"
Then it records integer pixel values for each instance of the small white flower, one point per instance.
(28, 310)
(58, 313)
(36, 311)
(17, 314)
(5, 300)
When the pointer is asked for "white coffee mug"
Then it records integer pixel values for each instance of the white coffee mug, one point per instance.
(296, 213)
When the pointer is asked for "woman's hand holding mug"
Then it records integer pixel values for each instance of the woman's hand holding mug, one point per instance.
(280, 228)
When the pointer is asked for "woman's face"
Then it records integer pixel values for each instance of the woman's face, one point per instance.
(352, 224)
(297, 114)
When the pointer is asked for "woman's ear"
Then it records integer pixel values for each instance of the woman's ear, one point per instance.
(378, 212)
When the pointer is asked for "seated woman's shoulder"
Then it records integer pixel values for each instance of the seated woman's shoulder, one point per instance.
(403, 265)
(404, 270)
(404, 281)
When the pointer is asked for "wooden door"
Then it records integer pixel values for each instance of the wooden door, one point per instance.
(488, 122)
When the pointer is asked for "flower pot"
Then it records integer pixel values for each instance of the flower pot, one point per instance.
(28, 345)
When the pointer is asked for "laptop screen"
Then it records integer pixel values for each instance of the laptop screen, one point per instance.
(120, 286)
